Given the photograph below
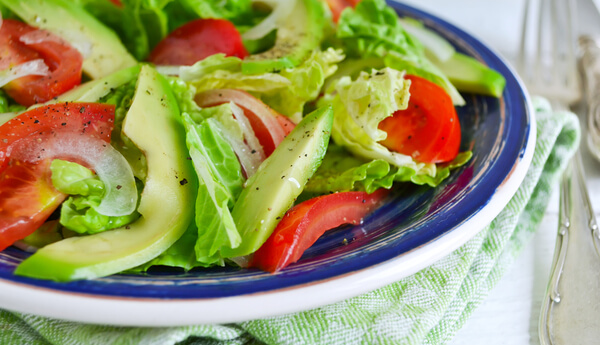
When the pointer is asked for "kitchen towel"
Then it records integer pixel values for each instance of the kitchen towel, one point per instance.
(428, 307)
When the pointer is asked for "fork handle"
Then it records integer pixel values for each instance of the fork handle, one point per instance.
(571, 309)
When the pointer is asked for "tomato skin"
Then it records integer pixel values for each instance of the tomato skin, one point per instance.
(62, 59)
(429, 129)
(269, 127)
(27, 196)
(337, 6)
(304, 223)
(197, 40)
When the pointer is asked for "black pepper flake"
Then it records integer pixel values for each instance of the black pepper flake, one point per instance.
(63, 124)
(36, 121)
(81, 110)
(183, 182)
(119, 186)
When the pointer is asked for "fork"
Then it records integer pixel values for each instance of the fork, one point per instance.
(569, 310)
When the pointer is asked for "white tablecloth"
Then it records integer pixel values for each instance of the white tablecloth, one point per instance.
(510, 313)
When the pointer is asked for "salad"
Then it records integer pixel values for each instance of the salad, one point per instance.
(195, 133)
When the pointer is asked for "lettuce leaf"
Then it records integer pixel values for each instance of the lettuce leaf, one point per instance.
(341, 171)
(287, 91)
(78, 212)
(373, 29)
(220, 183)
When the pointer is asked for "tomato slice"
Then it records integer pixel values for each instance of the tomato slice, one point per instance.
(337, 6)
(27, 196)
(269, 127)
(197, 40)
(62, 59)
(428, 130)
(304, 223)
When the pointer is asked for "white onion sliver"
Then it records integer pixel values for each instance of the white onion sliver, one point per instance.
(112, 168)
(249, 153)
(249, 134)
(169, 70)
(281, 10)
(75, 39)
(33, 67)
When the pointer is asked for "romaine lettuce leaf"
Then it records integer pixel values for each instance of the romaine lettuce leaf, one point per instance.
(220, 183)
(78, 212)
(287, 91)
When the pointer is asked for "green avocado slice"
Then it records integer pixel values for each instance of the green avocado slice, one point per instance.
(76, 26)
(272, 190)
(154, 125)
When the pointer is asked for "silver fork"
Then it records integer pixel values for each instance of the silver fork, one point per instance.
(570, 311)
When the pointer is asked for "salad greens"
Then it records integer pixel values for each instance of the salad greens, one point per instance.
(340, 87)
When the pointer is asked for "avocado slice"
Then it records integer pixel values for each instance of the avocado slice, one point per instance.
(153, 123)
(272, 190)
(301, 34)
(75, 25)
(467, 74)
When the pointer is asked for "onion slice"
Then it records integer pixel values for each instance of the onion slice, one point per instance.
(251, 105)
(250, 153)
(120, 197)
(75, 39)
(281, 11)
(32, 67)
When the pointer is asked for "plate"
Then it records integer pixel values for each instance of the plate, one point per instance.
(411, 231)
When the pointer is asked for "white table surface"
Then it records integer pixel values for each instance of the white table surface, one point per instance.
(509, 315)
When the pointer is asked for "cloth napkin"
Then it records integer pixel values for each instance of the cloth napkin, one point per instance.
(426, 308)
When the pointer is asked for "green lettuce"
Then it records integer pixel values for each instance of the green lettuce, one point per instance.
(373, 29)
(78, 213)
(341, 172)
(286, 91)
(220, 183)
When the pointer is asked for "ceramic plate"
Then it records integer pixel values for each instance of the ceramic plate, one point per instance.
(413, 230)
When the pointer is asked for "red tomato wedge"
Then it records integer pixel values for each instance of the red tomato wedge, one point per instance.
(337, 6)
(27, 197)
(269, 127)
(197, 40)
(304, 223)
(428, 130)
(62, 59)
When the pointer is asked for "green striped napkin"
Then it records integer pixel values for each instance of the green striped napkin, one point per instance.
(426, 308)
